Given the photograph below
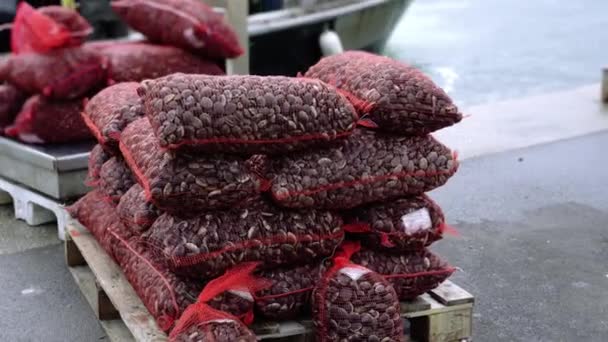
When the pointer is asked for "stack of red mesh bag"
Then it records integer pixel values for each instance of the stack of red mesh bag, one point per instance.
(226, 175)
(51, 64)
(377, 179)
(48, 65)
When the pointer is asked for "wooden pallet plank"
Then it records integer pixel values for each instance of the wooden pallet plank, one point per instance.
(450, 294)
(417, 304)
(109, 276)
(436, 308)
(73, 256)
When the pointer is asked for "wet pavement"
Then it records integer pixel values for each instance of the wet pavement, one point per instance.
(533, 241)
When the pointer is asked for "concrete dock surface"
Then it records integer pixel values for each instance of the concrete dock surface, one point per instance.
(530, 202)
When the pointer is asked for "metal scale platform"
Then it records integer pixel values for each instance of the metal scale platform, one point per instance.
(39, 180)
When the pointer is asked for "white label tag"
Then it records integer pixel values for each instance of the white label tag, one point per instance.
(354, 273)
(221, 320)
(243, 294)
(416, 221)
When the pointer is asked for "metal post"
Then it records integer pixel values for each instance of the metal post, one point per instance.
(237, 14)
(605, 84)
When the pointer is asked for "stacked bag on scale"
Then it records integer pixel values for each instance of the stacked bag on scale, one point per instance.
(51, 72)
(200, 175)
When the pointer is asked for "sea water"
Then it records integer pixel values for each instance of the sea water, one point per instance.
(482, 51)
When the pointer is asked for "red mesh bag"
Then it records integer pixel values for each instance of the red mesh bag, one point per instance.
(395, 96)
(189, 24)
(245, 114)
(97, 216)
(97, 157)
(368, 167)
(289, 295)
(353, 303)
(411, 274)
(136, 62)
(135, 212)
(185, 183)
(44, 121)
(165, 294)
(46, 28)
(239, 278)
(207, 245)
(115, 179)
(111, 110)
(404, 224)
(206, 324)
(11, 100)
(61, 74)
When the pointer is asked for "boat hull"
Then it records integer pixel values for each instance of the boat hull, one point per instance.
(289, 50)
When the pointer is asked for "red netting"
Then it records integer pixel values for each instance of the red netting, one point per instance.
(189, 24)
(205, 324)
(97, 216)
(115, 179)
(46, 28)
(165, 294)
(135, 212)
(245, 114)
(411, 274)
(186, 183)
(209, 244)
(395, 96)
(136, 62)
(44, 121)
(239, 278)
(289, 295)
(61, 74)
(97, 157)
(111, 110)
(11, 100)
(404, 224)
(368, 167)
(354, 303)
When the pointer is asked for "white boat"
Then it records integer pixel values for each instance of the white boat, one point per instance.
(286, 40)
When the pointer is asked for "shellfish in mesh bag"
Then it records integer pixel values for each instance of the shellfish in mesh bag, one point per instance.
(410, 273)
(46, 28)
(60, 74)
(97, 157)
(289, 295)
(404, 224)
(245, 114)
(135, 211)
(111, 110)
(97, 216)
(136, 62)
(353, 303)
(11, 100)
(115, 179)
(165, 294)
(395, 96)
(186, 183)
(42, 120)
(205, 324)
(189, 24)
(207, 245)
(368, 167)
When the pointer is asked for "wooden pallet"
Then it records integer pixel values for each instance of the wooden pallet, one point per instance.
(442, 315)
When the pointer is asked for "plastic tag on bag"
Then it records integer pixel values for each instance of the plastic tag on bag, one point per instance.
(416, 221)
(354, 273)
